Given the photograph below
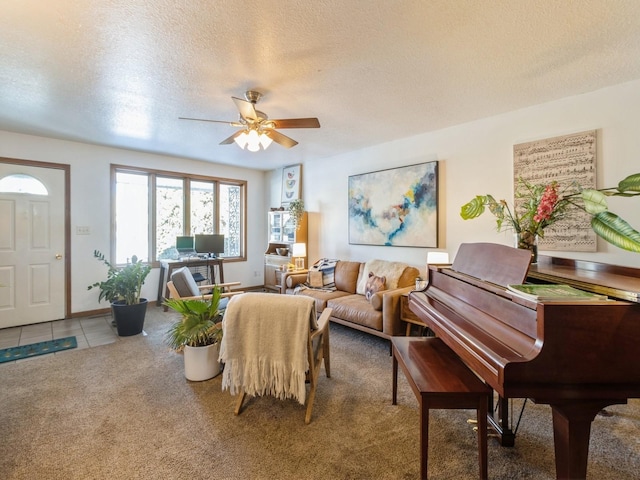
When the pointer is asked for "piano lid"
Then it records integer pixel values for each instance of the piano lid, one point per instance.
(612, 280)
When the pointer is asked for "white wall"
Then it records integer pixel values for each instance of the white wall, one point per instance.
(90, 206)
(477, 158)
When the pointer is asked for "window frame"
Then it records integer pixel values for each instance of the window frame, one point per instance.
(152, 175)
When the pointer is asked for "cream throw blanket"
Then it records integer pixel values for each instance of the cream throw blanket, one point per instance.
(264, 345)
(381, 268)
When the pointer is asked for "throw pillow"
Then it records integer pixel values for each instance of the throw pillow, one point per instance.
(374, 285)
(315, 279)
(376, 301)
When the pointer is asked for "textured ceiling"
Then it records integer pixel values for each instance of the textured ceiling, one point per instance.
(121, 72)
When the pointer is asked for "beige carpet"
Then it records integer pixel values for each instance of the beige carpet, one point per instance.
(125, 411)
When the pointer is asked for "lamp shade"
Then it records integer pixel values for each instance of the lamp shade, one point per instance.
(437, 257)
(299, 250)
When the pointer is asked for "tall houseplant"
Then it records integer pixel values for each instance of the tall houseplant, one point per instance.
(197, 334)
(122, 288)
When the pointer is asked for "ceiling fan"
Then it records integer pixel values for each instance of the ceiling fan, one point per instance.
(257, 130)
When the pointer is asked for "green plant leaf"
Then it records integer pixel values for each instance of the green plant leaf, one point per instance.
(199, 324)
(594, 201)
(616, 231)
(631, 183)
(122, 283)
(474, 208)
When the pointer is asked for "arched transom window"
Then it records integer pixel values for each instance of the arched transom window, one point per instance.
(21, 183)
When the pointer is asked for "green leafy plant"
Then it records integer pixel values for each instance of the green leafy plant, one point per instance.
(200, 322)
(122, 284)
(543, 205)
(296, 210)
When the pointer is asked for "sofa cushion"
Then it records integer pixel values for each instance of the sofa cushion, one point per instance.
(357, 309)
(408, 277)
(321, 296)
(346, 276)
(391, 270)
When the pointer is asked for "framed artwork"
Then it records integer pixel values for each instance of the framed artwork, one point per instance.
(566, 159)
(396, 207)
(291, 181)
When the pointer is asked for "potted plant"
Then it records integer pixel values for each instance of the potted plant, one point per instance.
(122, 288)
(296, 210)
(197, 334)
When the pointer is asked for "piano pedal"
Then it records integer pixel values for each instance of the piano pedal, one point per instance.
(490, 433)
(472, 421)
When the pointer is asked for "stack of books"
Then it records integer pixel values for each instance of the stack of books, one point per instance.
(554, 293)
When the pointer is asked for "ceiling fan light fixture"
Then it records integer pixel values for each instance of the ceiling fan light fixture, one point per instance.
(253, 141)
(241, 140)
(256, 130)
(265, 140)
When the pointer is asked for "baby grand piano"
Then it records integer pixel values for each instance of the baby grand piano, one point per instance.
(576, 357)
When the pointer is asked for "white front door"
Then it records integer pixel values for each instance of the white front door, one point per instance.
(32, 229)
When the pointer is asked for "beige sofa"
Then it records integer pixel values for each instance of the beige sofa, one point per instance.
(380, 315)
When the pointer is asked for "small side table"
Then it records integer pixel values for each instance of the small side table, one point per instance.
(279, 275)
(407, 315)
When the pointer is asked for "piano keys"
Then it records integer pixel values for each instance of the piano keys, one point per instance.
(576, 357)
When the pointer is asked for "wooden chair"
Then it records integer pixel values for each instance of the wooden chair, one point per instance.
(182, 285)
(280, 330)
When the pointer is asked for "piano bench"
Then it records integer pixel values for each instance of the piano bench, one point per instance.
(440, 380)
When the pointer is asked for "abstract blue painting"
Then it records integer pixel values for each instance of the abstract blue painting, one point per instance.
(396, 207)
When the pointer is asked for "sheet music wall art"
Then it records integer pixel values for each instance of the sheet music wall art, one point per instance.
(564, 159)
(395, 207)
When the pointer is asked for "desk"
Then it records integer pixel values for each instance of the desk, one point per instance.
(168, 266)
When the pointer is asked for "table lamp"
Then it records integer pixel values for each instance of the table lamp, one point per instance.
(299, 251)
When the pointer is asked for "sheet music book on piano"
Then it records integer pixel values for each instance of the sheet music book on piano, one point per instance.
(554, 293)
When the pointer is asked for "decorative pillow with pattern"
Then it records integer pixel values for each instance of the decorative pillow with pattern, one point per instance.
(374, 285)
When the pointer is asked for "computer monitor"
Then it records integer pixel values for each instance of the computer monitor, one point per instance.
(210, 244)
(185, 244)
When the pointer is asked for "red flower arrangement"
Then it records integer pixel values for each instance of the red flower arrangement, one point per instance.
(538, 206)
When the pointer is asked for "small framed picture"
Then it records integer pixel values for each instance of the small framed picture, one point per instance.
(291, 181)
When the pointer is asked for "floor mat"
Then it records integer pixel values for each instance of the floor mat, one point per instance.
(34, 349)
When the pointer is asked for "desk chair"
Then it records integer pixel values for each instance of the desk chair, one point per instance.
(273, 345)
(182, 285)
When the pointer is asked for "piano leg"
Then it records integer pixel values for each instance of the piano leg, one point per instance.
(571, 432)
(499, 422)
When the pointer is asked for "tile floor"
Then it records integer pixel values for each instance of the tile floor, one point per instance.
(89, 332)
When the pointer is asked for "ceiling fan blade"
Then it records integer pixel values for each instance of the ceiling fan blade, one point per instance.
(296, 123)
(230, 139)
(233, 124)
(281, 139)
(246, 109)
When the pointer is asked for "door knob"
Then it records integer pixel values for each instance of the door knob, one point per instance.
(58, 256)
